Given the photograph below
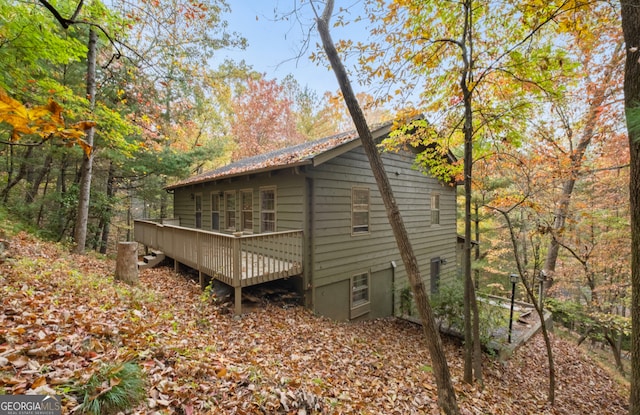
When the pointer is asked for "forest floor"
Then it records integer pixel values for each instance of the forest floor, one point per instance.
(62, 316)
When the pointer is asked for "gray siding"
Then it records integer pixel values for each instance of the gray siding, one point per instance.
(338, 254)
(318, 201)
(290, 194)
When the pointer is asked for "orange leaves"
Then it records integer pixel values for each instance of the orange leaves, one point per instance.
(45, 121)
(60, 321)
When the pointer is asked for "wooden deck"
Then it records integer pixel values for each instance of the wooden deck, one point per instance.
(237, 260)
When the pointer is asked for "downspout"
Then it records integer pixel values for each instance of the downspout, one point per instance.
(393, 288)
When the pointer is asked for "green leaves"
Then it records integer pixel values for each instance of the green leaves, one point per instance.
(113, 388)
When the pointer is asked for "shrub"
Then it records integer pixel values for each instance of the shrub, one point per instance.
(448, 307)
(112, 389)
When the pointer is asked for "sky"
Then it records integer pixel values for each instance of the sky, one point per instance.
(274, 45)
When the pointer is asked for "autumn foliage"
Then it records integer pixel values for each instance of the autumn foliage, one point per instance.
(62, 316)
(263, 119)
(43, 121)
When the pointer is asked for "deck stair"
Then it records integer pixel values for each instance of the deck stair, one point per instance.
(151, 260)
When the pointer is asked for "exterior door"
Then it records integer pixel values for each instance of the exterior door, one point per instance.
(435, 274)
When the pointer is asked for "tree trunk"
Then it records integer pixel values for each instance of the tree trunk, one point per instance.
(127, 262)
(630, 12)
(615, 351)
(531, 295)
(44, 196)
(591, 122)
(40, 174)
(446, 393)
(12, 181)
(82, 218)
(63, 216)
(106, 226)
(476, 249)
(472, 346)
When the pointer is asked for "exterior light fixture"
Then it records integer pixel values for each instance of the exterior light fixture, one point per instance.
(514, 278)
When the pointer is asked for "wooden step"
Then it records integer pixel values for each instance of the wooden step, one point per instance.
(151, 260)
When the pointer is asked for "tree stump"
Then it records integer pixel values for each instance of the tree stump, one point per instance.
(127, 262)
(4, 246)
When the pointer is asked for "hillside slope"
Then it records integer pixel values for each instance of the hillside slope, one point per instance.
(62, 316)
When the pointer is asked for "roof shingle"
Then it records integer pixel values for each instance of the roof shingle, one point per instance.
(296, 155)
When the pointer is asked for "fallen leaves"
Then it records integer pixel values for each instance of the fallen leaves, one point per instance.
(63, 315)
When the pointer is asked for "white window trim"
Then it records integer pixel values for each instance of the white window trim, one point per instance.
(432, 209)
(235, 210)
(368, 231)
(364, 307)
(195, 210)
(220, 197)
(242, 211)
(275, 207)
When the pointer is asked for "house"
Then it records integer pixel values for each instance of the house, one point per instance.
(312, 213)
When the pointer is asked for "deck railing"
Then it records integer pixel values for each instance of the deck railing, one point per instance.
(238, 260)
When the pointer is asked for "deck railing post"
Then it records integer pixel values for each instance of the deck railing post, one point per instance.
(237, 274)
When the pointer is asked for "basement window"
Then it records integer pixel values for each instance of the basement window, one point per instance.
(360, 303)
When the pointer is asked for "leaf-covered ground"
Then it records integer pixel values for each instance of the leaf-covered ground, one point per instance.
(62, 315)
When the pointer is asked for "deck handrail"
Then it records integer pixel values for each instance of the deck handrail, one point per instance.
(237, 259)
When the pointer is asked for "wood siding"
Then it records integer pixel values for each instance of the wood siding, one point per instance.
(338, 254)
(289, 186)
(317, 200)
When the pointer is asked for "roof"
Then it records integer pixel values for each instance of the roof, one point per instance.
(312, 152)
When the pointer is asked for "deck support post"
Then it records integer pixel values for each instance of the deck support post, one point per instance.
(237, 273)
(238, 301)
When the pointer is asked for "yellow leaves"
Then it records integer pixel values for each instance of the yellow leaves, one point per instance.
(45, 121)
(271, 359)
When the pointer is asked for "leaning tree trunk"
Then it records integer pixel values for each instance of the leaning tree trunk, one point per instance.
(82, 218)
(630, 12)
(536, 305)
(615, 351)
(446, 393)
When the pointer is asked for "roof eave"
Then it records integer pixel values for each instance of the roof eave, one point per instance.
(239, 174)
(350, 145)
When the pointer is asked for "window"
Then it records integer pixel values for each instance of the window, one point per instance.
(215, 211)
(360, 304)
(198, 210)
(268, 210)
(435, 209)
(359, 210)
(246, 214)
(230, 211)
